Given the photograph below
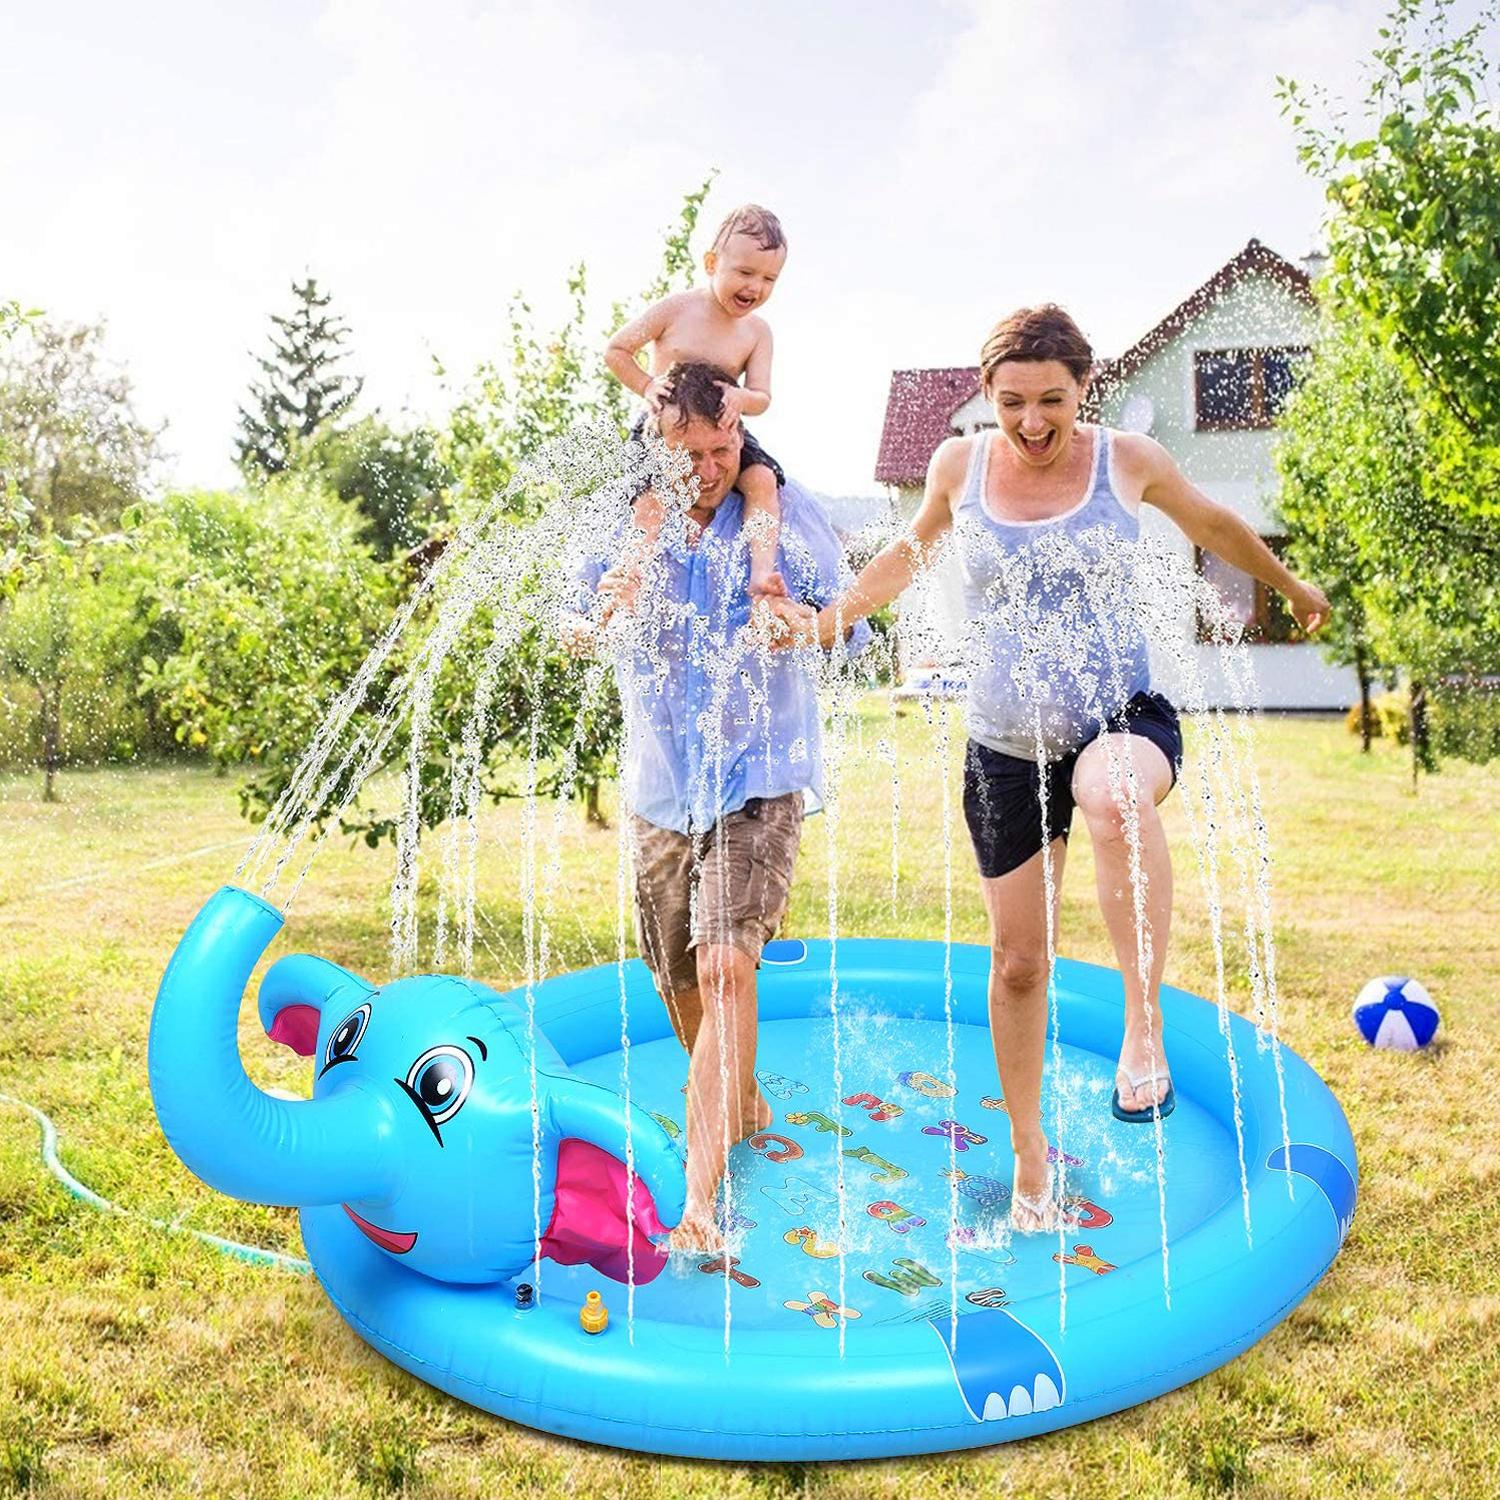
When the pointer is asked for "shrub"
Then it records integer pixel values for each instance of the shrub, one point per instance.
(253, 610)
(1390, 716)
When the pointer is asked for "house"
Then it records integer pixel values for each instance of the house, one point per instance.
(1206, 382)
(853, 515)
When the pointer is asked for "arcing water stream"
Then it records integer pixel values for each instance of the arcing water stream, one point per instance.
(464, 669)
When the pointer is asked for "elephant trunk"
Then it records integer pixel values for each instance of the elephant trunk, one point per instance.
(233, 1135)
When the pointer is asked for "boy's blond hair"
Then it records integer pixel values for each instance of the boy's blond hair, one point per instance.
(760, 224)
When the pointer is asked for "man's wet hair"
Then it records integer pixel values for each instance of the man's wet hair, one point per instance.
(756, 223)
(695, 389)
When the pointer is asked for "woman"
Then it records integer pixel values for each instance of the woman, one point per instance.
(1043, 508)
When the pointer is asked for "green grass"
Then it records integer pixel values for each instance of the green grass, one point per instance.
(134, 1363)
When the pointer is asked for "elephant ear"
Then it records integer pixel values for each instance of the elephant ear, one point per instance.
(295, 992)
(604, 1213)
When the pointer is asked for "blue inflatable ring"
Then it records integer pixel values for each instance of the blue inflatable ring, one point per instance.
(917, 1339)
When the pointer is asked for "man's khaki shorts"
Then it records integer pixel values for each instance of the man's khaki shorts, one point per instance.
(728, 886)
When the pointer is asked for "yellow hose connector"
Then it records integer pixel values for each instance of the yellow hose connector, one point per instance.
(593, 1315)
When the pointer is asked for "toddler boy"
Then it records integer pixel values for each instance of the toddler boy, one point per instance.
(717, 324)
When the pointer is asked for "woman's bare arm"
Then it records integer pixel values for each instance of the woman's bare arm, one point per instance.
(1219, 530)
(891, 571)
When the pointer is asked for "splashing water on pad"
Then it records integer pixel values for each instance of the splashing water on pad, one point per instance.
(505, 593)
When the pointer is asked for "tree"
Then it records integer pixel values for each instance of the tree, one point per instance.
(544, 719)
(73, 457)
(1413, 182)
(71, 443)
(253, 610)
(394, 477)
(1391, 466)
(551, 386)
(545, 387)
(1350, 456)
(67, 632)
(303, 387)
(552, 383)
(15, 509)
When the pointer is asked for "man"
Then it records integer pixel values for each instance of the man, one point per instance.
(722, 754)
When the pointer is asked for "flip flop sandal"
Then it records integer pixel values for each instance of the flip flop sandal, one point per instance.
(1147, 1115)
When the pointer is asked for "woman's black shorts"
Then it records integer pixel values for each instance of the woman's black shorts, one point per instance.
(1002, 801)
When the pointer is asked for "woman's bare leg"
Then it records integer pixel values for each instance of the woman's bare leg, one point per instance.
(1017, 908)
(1108, 806)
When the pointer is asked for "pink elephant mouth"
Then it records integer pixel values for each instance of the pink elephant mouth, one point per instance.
(388, 1239)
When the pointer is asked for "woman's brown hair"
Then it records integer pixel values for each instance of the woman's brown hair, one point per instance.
(1034, 334)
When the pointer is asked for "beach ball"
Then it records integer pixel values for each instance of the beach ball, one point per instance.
(1396, 1012)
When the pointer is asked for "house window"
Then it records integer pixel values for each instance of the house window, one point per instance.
(1256, 605)
(1243, 388)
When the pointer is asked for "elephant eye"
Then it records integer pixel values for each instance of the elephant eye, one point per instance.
(346, 1037)
(440, 1080)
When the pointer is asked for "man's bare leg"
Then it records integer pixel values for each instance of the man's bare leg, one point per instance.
(1108, 810)
(685, 1010)
(1016, 904)
(723, 1102)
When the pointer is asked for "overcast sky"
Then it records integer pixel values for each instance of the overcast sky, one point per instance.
(172, 166)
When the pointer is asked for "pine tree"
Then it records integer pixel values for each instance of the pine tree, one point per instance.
(302, 389)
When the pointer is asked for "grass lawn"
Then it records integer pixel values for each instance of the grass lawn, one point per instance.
(138, 1363)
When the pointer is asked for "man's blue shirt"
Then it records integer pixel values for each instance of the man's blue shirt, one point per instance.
(713, 718)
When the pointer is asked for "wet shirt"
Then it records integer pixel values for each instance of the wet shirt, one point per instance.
(713, 719)
(1053, 640)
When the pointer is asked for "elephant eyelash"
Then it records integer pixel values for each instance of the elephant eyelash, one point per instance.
(416, 1099)
(450, 1107)
(361, 1019)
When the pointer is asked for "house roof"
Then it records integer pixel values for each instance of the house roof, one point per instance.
(917, 418)
(921, 403)
(1255, 259)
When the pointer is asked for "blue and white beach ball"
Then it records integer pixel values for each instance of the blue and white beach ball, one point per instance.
(1396, 1012)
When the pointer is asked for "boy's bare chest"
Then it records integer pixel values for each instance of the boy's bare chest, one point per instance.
(694, 335)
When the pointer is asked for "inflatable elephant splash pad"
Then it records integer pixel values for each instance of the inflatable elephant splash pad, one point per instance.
(872, 1302)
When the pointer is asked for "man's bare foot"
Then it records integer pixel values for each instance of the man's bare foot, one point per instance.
(759, 1117)
(1031, 1203)
(1142, 1078)
(696, 1233)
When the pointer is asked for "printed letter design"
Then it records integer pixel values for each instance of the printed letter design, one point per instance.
(925, 1083)
(718, 1267)
(778, 1086)
(906, 1276)
(885, 1171)
(786, 1149)
(961, 1136)
(878, 1108)
(821, 1123)
(1085, 1257)
(902, 1220)
(822, 1309)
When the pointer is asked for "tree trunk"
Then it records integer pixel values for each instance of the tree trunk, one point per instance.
(592, 810)
(51, 738)
(1362, 667)
(1421, 740)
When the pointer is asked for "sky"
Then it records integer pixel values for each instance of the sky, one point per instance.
(172, 167)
